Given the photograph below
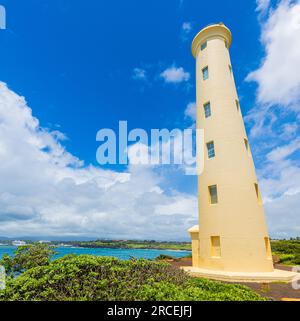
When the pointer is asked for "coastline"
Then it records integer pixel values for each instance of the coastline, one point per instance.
(114, 244)
(118, 252)
(132, 248)
(105, 247)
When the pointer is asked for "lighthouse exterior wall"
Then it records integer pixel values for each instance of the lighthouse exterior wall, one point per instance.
(238, 218)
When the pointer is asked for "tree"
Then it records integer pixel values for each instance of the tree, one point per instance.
(27, 257)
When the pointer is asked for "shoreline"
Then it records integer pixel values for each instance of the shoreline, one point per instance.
(131, 248)
(109, 247)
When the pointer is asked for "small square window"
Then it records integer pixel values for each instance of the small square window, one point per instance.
(211, 149)
(213, 194)
(215, 246)
(205, 73)
(246, 145)
(257, 193)
(204, 45)
(268, 248)
(237, 105)
(226, 44)
(230, 69)
(207, 110)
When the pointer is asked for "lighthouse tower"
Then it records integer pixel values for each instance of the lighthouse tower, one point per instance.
(231, 241)
(232, 234)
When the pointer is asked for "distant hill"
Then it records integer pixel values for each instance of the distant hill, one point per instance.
(3, 238)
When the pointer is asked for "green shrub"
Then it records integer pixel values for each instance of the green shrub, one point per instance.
(286, 247)
(163, 257)
(86, 277)
(289, 259)
(27, 257)
(189, 256)
(288, 251)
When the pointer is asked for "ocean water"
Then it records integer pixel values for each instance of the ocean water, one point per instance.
(122, 254)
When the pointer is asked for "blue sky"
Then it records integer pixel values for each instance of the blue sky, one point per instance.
(83, 66)
(74, 60)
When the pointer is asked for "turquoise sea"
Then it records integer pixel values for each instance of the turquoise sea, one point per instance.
(122, 254)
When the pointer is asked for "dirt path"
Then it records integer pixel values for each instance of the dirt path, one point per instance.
(273, 291)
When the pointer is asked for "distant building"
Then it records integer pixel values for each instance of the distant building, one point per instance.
(18, 243)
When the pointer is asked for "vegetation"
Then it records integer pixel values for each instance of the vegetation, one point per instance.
(287, 250)
(164, 257)
(127, 244)
(92, 278)
(33, 276)
(27, 257)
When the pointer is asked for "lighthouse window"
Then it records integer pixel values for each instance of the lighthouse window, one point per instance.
(268, 248)
(205, 73)
(207, 110)
(247, 146)
(230, 69)
(215, 246)
(204, 45)
(257, 193)
(237, 105)
(213, 193)
(211, 149)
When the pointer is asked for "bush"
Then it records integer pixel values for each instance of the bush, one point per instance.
(86, 277)
(164, 257)
(289, 259)
(286, 247)
(288, 251)
(27, 257)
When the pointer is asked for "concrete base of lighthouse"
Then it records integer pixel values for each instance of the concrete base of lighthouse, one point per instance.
(259, 277)
(274, 275)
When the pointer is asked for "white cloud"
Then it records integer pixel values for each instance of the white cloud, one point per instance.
(187, 27)
(175, 75)
(278, 77)
(280, 185)
(275, 117)
(283, 216)
(284, 151)
(46, 191)
(191, 111)
(139, 74)
(289, 130)
(263, 5)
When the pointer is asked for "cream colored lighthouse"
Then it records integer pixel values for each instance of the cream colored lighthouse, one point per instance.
(231, 240)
